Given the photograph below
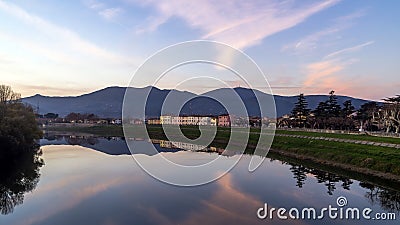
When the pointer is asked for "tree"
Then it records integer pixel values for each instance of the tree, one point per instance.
(321, 115)
(348, 108)
(301, 111)
(7, 95)
(366, 113)
(18, 127)
(51, 116)
(347, 111)
(73, 117)
(333, 108)
(390, 114)
(327, 113)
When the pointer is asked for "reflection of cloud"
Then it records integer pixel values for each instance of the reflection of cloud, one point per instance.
(221, 208)
(237, 22)
(73, 189)
(72, 198)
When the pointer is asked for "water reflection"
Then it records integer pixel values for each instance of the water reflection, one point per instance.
(330, 180)
(117, 145)
(99, 183)
(387, 199)
(18, 176)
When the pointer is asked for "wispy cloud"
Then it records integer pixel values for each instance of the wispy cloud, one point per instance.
(238, 23)
(110, 13)
(349, 50)
(68, 39)
(319, 72)
(314, 40)
(95, 5)
(107, 13)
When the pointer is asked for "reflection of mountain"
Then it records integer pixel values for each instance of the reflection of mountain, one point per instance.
(17, 177)
(111, 145)
(108, 102)
(118, 146)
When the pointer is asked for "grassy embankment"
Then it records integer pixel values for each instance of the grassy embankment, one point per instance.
(378, 161)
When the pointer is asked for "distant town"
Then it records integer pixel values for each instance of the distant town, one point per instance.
(224, 120)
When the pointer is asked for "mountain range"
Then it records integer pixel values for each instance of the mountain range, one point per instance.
(107, 102)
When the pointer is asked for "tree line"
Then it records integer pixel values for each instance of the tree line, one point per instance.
(18, 126)
(329, 114)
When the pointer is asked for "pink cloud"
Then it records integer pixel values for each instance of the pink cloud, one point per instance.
(238, 23)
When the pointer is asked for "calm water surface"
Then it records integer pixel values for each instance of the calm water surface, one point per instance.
(88, 180)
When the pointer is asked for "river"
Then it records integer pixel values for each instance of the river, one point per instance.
(95, 180)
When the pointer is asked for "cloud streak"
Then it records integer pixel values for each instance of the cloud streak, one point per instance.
(238, 23)
(311, 41)
(110, 13)
(65, 37)
(349, 50)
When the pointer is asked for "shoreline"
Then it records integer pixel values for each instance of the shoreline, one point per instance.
(298, 152)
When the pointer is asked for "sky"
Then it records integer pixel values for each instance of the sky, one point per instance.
(68, 48)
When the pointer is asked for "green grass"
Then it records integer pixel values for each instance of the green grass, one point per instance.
(377, 158)
(360, 137)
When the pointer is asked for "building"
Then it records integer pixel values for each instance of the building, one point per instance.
(116, 121)
(224, 120)
(153, 121)
(187, 120)
(204, 121)
(166, 119)
(255, 121)
(213, 121)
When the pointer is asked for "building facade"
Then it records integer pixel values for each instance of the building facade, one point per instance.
(224, 121)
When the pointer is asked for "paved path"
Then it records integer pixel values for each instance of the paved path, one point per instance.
(342, 140)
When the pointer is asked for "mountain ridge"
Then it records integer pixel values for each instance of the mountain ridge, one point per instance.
(107, 102)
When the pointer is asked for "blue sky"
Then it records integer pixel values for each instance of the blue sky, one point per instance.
(74, 47)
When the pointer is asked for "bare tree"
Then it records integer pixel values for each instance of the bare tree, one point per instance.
(390, 114)
(8, 95)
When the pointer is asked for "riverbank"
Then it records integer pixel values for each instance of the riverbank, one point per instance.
(380, 161)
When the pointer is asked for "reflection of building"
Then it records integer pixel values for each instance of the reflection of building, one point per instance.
(164, 144)
(193, 147)
(188, 146)
(224, 121)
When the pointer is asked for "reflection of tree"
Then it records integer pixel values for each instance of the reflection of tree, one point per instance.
(299, 173)
(81, 140)
(330, 180)
(17, 177)
(388, 199)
